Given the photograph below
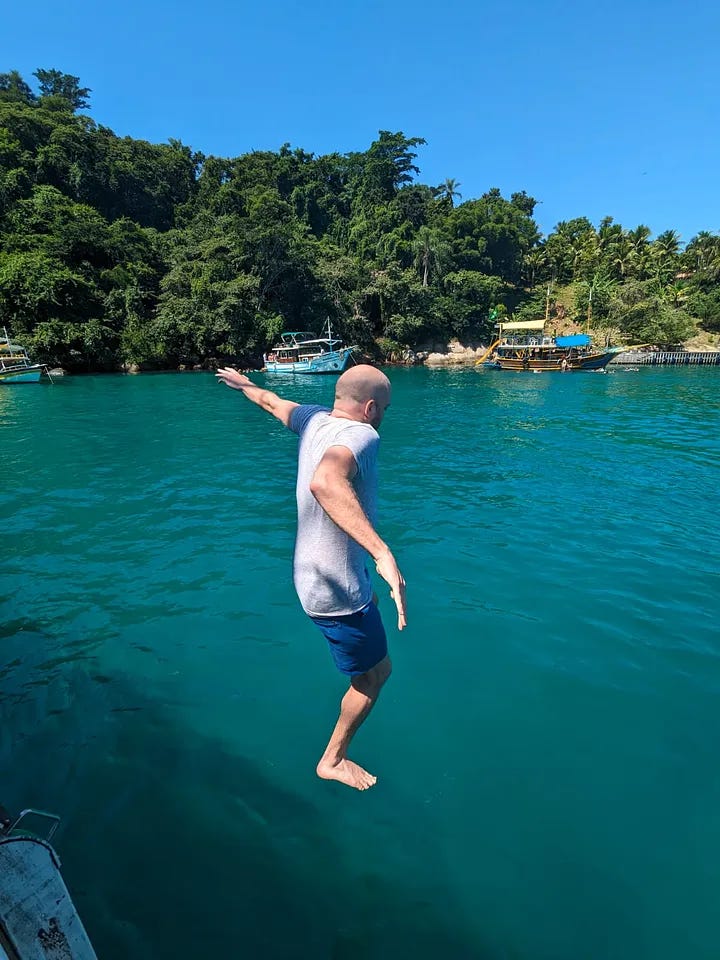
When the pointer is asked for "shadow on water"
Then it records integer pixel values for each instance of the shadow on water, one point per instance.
(172, 845)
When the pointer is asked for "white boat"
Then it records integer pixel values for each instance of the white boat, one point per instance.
(38, 920)
(15, 364)
(303, 352)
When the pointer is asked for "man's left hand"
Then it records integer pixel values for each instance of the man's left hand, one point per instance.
(388, 570)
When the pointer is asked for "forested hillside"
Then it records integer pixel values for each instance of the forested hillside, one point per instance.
(115, 250)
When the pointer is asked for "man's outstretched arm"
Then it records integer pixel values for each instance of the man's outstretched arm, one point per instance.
(332, 487)
(269, 401)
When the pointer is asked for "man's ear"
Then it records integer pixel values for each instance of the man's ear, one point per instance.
(369, 409)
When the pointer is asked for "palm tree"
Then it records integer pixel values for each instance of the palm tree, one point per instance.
(430, 251)
(675, 293)
(704, 248)
(593, 297)
(640, 236)
(667, 245)
(622, 255)
(665, 250)
(608, 234)
(638, 239)
(572, 248)
(713, 267)
(533, 261)
(449, 190)
(584, 253)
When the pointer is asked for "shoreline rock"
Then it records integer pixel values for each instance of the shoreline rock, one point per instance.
(454, 354)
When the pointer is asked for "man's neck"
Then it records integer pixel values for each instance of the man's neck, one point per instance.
(358, 417)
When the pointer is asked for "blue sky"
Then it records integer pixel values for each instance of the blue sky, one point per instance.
(595, 109)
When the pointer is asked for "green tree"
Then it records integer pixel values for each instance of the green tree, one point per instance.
(386, 166)
(639, 239)
(448, 191)
(14, 88)
(705, 306)
(595, 299)
(703, 253)
(644, 314)
(431, 252)
(54, 83)
(470, 297)
(491, 235)
(572, 249)
(664, 251)
(534, 263)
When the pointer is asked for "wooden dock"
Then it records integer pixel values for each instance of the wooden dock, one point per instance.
(658, 357)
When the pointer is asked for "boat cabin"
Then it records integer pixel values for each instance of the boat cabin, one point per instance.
(296, 346)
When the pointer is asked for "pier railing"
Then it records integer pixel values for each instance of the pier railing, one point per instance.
(657, 357)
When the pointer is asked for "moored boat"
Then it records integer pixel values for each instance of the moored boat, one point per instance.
(15, 364)
(522, 345)
(303, 352)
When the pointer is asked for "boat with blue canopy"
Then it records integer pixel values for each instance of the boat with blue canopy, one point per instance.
(523, 345)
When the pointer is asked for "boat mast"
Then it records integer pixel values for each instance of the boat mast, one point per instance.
(589, 310)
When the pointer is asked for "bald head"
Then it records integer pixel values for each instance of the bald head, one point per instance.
(361, 383)
(362, 393)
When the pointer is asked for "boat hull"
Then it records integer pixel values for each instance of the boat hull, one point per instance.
(332, 362)
(37, 916)
(21, 375)
(591, 361)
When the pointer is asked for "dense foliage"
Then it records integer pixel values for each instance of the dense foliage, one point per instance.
(114, 250)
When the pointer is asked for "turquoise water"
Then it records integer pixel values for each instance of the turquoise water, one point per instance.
(547, 749)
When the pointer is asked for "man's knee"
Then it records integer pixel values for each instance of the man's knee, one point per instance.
(385, 669)
(373, 680)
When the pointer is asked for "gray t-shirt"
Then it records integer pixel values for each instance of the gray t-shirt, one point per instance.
(329, 569)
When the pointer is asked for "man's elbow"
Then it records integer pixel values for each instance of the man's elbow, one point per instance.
(325, 486)
(319, 487)
(267, 402)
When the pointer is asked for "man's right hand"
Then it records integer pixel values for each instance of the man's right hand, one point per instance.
(233, 378)
(269, 401)
(388, 569)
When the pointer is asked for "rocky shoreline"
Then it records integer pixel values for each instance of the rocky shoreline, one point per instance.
(435, 354)
(451, 353)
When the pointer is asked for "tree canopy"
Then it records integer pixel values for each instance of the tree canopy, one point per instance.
(116, 250)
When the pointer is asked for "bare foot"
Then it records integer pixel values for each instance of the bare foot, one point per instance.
(346, 772)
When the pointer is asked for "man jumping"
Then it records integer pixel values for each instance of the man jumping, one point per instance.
(336, 501)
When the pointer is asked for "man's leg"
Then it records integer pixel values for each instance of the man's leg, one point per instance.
(356, 705)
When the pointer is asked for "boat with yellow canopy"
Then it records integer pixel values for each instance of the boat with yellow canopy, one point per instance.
(523, 345)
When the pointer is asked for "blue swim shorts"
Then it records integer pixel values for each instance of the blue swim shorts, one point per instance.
(357, 642)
